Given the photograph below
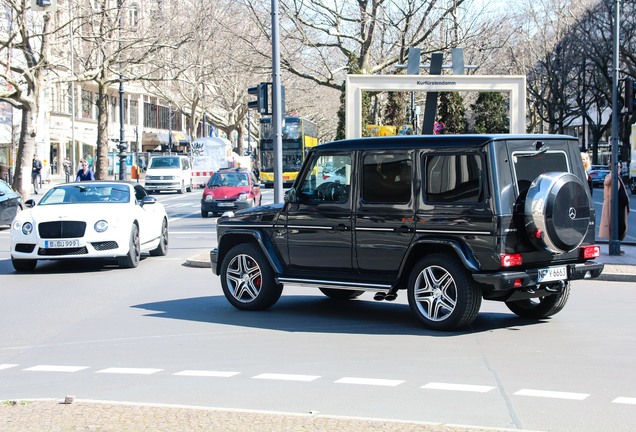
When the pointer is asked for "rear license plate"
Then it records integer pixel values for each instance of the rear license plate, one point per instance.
(226, 204)
(61, 243)
(552, 274)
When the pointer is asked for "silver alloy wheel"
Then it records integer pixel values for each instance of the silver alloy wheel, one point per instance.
(435, 293)
(244, 278)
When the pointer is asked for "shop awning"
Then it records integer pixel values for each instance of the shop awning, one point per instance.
(154, 139)
(181, 138)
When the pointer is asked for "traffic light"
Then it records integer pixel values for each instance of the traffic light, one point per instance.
(630, 93)
(261, 102)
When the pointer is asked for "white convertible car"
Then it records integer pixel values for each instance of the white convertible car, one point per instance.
(97, 219)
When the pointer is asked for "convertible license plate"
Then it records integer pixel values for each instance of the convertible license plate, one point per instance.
(552, 274)
(226, 204)
(61, 243)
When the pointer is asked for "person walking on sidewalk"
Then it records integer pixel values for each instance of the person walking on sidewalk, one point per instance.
(85, 173)
(36, 177)
(67, 169)
(623, 208)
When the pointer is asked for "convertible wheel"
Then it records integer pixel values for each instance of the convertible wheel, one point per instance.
(248, 279)
(542, 307)
(134, 252)
(441, 293)
(23, 264)
(341, 294)
(162, 247)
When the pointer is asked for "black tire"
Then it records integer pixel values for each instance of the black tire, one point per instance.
(541, 307)
(23, 264)
(441, 293)
(341, 294)
(131, 260)
(181, 189)
(189, 188)
(248, 279)
(204, 214)
(162, 247)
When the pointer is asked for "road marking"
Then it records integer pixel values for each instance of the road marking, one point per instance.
(458, 387)
(132, 371)
(7, 366)
(625, 400)
(369, 381)
(53, 368)
(286, 377)
(552, 394)
(205, 373)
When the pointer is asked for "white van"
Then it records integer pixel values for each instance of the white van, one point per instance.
(170, 173)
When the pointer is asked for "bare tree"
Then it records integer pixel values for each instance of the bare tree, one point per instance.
(22, 74)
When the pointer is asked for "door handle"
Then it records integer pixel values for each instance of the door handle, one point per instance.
(340, 227)
(404, 229)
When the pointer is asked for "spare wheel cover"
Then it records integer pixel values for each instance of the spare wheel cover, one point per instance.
(557, 212)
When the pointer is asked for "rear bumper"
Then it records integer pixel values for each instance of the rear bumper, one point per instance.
(529, 278)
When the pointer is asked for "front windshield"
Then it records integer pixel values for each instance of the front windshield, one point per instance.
(229, 179)
(86, 193)
(164, 163)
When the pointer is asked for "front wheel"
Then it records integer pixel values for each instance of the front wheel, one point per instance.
(442, 294)
(131, 259)
(541, 307)
(248, 280)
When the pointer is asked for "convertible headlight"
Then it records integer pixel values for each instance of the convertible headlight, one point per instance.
(243, 197)
(27, 227)
(209, 198)
(101, 226)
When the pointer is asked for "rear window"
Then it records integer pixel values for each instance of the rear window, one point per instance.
(529, 165)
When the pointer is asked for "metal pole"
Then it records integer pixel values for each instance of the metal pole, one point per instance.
(277, 117)
(614, 243)
(122, 138)
(73, 150)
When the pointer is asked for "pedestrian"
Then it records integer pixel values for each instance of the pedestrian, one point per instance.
(587, 164)
(36, 177)
(89, 160)
(67, 168)
(85, 173)
(623, 208)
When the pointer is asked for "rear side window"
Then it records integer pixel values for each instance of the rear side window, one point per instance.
(453, 178)
(387, 178)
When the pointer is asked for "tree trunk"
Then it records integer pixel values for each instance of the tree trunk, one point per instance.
(26, 149)
(101, 164)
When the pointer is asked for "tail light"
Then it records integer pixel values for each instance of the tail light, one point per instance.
(589, 252)
(511, 260)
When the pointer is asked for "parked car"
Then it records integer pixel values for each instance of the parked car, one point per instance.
(230, 189)
(597, 175)
(101, 219)
(10, 203)
(448, 219)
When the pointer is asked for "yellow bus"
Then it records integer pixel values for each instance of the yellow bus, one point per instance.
(298, 135)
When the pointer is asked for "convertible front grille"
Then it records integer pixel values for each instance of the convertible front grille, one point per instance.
(62, 229)
(106, 245)
(62, 251)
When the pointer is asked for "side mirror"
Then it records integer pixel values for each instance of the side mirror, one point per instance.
(290, 196)
(29, 203)
(148, 200)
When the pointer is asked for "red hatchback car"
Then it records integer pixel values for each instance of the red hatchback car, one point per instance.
(230, 189)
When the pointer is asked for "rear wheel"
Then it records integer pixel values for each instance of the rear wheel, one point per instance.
(341, 294)
(131, 260)
(162, 247)
(248, 280)
(441, 293)
(541, 307)
(23, 264)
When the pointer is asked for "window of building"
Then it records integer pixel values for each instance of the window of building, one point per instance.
(87, 104)
(134, 112)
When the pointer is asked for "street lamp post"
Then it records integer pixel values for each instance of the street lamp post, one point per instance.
(614, 242)
(122, 138)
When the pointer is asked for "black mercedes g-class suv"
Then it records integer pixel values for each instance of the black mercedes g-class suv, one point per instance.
(451, 219)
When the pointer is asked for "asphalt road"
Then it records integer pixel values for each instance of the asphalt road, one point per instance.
(163, 333)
